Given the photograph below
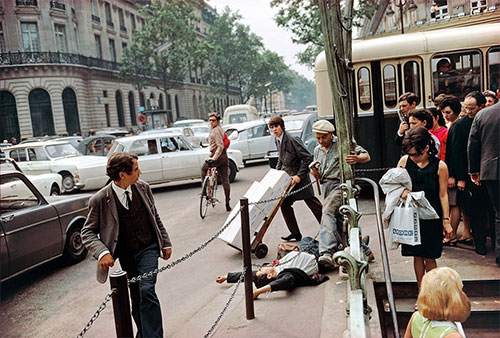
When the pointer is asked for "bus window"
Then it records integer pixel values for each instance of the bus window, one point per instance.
(390, 96)
(365, 99)
(494, 68)
(457, 74)
(412, 79)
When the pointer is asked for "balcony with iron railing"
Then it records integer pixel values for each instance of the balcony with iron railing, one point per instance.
(96, 18)
(26, 3)
(57, 5)
(110, 24)
(123, 28)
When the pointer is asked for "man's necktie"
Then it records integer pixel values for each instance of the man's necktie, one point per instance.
(279, 144)
(129, 201)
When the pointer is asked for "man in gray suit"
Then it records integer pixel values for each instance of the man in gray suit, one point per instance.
(123, 223)
(483, 148)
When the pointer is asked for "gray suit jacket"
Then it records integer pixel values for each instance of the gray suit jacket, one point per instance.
(100, 231)
(483, 146)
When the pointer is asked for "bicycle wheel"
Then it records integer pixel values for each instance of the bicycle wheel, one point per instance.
(204, 198)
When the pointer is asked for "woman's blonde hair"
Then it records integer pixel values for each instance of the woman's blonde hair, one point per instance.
(441, 296)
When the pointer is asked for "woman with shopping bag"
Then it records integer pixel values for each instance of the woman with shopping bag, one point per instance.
(430, 175)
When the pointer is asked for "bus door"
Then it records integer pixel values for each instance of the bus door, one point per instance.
(366, 123)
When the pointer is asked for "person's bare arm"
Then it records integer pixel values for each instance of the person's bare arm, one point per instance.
(408, 327)
(443, 197)
(261, 290)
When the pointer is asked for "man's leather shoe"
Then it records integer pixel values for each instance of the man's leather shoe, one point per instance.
(228, 207)
(481, 250)
(289, 238)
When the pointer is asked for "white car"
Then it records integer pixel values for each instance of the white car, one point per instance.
(62, 158)
(47, 184)
(187, 123)
(168, 157)
(202, 130)
(186, 131)
(251, 138)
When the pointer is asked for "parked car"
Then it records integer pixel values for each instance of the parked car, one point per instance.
(113, 131)
(187, 123)
(251, 138)
(240, 113)
(186, 131)
(74, 140)
(2, 147)
(202, 130)
(35, 229)
(297, 125)
(47, 184)
(98, 145)
(169, 157)
(61, 158)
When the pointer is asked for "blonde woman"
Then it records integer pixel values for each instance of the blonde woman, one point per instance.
(442, 306)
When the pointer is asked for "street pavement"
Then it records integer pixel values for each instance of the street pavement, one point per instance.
(57, 300)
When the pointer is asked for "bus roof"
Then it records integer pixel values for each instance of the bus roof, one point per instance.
(412, 44)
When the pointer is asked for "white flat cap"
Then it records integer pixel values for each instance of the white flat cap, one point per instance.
(323, 127)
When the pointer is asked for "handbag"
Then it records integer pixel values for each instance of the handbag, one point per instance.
(404, 227)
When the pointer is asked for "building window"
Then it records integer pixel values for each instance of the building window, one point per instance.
(121, 19)
(109, 18)
(390, 96)
(112, 50)
(439, 9)
(477, 6)
(31, 40)
(2, 39)
(62, 43)
(98, 47)
(124, 46)
(132, 21)
(95, 11)
(364, 91)
(26, 3)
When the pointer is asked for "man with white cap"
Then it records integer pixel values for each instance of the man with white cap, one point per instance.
(326, 154)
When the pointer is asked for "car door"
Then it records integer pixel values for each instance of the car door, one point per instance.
(239, 141)
(32, 232)
(178, 159)
(149, 159)
(258, 141)
(38, 161)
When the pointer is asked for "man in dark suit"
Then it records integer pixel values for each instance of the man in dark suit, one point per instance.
(123, 223)
(294, 159)
(470, 197)
(484, 150)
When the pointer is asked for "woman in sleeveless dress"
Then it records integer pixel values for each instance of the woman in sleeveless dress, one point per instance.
(428, 174)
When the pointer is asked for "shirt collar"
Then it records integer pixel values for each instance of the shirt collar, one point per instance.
(120, 191)
(281, 137)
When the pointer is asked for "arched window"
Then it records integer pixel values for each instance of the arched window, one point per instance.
(202, 106)
(71, 112)
(412, 78)
(169, 103)
(10, 126)
(390, 96)
(42, 120)
(142, 100)
(177, 108)
(119, 109)
(195, 107)
(131, 107)
(364, 90)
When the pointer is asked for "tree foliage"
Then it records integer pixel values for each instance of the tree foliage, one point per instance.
(301, 17)
(302, 93)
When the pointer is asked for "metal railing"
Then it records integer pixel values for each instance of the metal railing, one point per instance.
(26, 3)
(58, 5)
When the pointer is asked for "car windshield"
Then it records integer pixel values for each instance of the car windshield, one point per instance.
(200, 130)
(294, 125)
(116, 147)
(61, 150)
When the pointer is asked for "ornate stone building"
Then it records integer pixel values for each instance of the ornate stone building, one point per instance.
(58, 70)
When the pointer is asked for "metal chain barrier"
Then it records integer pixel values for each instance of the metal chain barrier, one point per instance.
(212, 328)
(97, 313)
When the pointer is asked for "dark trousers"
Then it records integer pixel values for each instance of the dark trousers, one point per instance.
(222, 165)
(493, 192)
(146, 308)
(475, 205)
(289, 215)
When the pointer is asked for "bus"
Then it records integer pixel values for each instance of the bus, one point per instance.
(386, 67)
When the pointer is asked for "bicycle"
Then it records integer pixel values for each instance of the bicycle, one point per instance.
(208, 190)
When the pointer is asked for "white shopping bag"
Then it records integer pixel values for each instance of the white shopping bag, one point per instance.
(404, 227)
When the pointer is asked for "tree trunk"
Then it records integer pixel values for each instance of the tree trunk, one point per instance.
(338, 48)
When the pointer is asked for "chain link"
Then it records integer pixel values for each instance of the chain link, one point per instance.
(102, 306)
(212, 328)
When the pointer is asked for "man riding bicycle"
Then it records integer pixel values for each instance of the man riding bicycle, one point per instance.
(218, 155)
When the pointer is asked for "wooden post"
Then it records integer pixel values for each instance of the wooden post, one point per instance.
(247, 258)
(121, 304)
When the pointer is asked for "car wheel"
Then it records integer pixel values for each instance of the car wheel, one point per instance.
(232, 171)
(54, 191)
(74, 250)
(68, 182)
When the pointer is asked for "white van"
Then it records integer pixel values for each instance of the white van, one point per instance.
(240, 113)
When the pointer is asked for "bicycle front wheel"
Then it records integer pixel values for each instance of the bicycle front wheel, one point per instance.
(204, 198)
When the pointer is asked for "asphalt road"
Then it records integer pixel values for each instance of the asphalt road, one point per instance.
(57, 300)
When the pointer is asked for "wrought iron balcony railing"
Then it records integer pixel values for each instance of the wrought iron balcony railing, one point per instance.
(58, 5)
(96, 18)
(110, 24)
(26, 3)
(23, 58)
(123, 28)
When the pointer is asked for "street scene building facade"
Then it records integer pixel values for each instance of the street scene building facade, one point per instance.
(59, 70)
